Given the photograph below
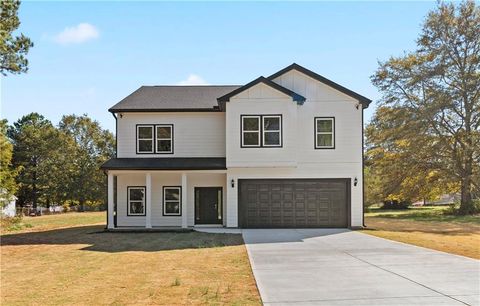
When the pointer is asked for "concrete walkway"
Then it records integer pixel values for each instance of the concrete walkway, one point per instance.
(341, 267)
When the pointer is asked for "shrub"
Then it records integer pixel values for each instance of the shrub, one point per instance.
(94, 206)
(395, 204)
(13, 223)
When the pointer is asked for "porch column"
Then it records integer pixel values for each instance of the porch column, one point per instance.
(148, 200)
(184, 200)
(110, 204)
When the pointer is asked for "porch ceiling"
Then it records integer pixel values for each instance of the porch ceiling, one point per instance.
(166, 163)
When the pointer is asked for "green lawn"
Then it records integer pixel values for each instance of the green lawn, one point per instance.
(56, 220)
(428, 213)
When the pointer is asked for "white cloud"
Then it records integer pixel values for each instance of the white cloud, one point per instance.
(193, 79)
(77, 34)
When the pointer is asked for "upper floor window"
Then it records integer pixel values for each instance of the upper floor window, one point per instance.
(250, 131)
(164, 136)
(272, 131)
(144, 138)
(261, 131)
(136, 201)
(324, 133)
(154, 138)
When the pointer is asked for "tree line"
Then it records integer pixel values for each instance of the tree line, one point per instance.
(43, 164)
(424, 139)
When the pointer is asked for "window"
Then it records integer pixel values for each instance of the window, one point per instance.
(164, 135)
(261, 131)
(324, 133)
(155, 138)
(172, 201)
(250, 131)
(136, 201)
(144, 138)
(272, 131)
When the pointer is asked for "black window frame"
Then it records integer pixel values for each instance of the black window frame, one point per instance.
(171, 138)
(154, 144)
(315, 133)
(261, 142)
(144, 201)
(137, 140)
(179, 200)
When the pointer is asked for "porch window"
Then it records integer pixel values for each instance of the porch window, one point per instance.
(164, 135)
(324, 133)
(136, 201)
(172, 204)
(144, 138)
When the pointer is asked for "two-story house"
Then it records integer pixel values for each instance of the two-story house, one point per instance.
(282, 151)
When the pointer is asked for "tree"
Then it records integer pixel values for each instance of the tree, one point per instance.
(12, 49)
(397, 159)
(438, 87)
(7, 173)
(36, 146)
(93, 146)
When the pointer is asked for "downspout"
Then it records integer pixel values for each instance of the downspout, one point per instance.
(116, 130)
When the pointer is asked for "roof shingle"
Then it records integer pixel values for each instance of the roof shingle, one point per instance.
(173, 98)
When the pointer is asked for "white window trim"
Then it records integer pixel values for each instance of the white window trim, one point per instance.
(151, 139)
(179, 201)
(157, 138)
(279, 131)
(252, 131)
(332, 120)
(143, 201)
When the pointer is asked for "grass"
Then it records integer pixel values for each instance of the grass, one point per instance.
(428, 227)
(427, 213)
(68, 260)
(45, 222)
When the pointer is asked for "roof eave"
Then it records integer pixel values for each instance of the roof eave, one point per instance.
(164, 110)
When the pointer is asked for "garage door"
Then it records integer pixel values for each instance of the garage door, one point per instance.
(284, 203)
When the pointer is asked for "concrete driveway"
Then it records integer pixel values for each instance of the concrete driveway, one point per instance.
(341, 267)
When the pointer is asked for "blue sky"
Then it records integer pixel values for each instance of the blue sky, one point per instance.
(88, 56)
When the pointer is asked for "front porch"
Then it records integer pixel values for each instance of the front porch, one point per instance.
(159, 200)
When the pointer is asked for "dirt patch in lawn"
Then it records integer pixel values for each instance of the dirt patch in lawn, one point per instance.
(452, 237)
(86, 266)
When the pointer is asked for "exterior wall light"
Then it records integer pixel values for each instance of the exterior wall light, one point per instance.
(355, 181)
(233, 183)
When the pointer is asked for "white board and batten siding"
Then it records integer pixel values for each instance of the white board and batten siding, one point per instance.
(196, 134)
(297, 158)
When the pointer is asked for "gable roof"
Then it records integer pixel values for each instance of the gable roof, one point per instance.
(173, 99)
(295, 97)
(361, 99)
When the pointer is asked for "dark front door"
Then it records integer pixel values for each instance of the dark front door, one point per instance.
(208, 205)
